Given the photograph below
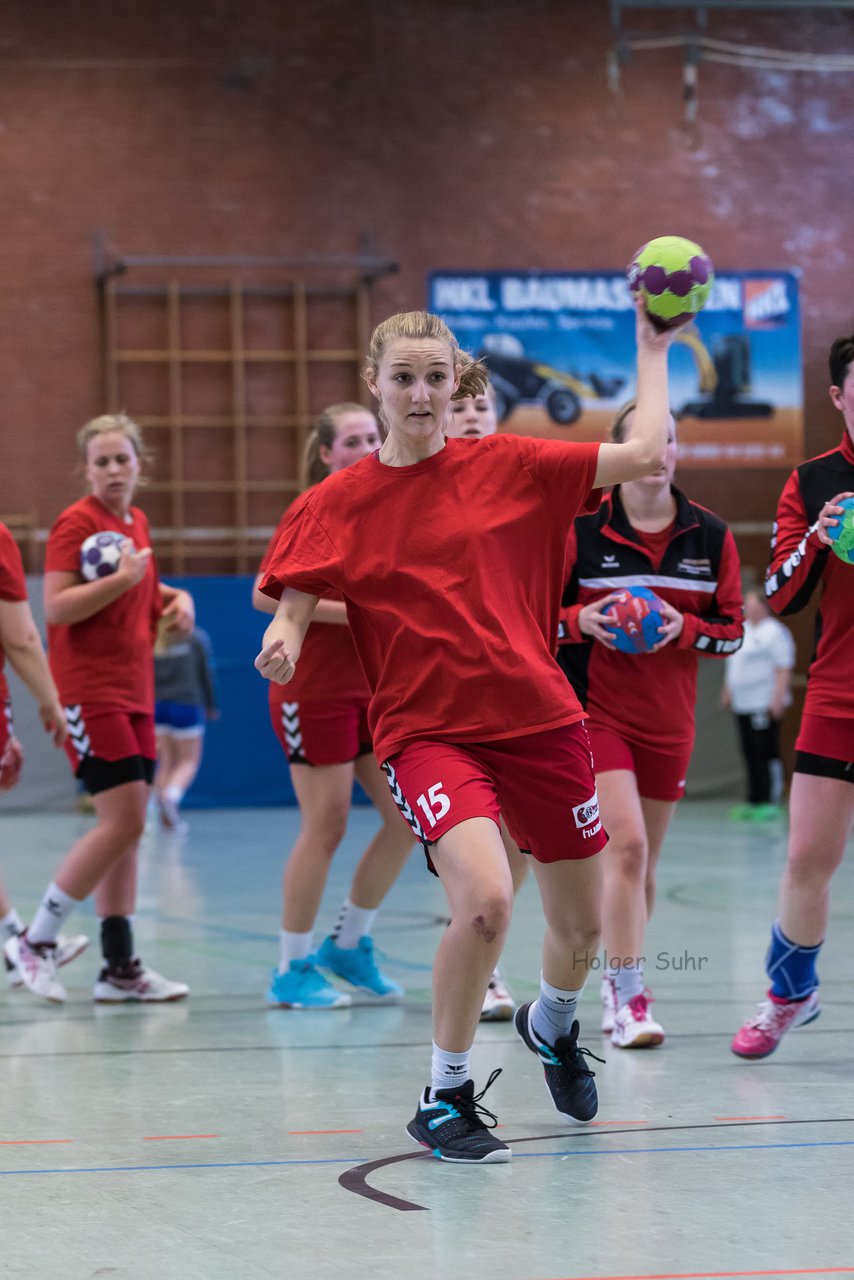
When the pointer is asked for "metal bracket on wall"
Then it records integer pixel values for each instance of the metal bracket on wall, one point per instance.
(698, 46)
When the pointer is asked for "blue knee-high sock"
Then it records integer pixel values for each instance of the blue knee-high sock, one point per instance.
(791, 968)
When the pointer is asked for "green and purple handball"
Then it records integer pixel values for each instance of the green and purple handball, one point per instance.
(842, 533)
(673, 277)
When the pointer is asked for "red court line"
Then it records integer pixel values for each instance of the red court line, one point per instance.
(303, 1132)
(177, 1137)
(716, 1275)
(34, 1142)
(750, 1117)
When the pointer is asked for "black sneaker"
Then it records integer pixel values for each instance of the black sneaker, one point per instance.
(568, 1078)
(451, 1126)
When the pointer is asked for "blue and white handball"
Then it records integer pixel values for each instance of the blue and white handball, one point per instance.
(100, 554)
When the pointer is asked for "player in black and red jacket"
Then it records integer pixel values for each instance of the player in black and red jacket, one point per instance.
(821, 804)
(641, 707)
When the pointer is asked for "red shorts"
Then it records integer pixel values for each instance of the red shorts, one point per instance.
(660, 774)
(831, 736)
(322, 733)
(108, 734)
(7, 727)
(541, 783)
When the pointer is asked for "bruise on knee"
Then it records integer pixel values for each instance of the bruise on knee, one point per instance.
(483, 930)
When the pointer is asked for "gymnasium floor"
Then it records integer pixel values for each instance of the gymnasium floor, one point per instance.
(221, 1139)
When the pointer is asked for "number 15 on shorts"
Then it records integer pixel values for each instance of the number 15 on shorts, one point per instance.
(434, 804)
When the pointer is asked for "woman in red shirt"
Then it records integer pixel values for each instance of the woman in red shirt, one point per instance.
(101, 637)
(821, 803)
(321, 721)
(641, 706)
(451, 560)
(21, 644)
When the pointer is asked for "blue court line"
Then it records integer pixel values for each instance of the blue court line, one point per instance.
(357, 1160)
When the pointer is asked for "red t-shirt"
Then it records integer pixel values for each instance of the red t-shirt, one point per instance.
(13, 588)
(452, 570)
(657, 543)
(329, 666)
(109, 658)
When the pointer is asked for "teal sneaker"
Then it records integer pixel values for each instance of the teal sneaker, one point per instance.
(302, 987)
(357, 966)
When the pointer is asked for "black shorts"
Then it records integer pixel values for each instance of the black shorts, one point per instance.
(824, 766)
(99, 775)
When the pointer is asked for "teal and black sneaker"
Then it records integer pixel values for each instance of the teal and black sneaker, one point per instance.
(569, 1080)
(302, 987)
(451, 1126)
(357, 966)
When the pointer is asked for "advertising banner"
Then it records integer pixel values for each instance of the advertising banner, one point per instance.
(561, 353)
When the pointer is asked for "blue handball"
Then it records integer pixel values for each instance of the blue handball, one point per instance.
(842, 534)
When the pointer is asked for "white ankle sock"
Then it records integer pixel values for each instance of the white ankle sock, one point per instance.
(11, 925)
(53, 910)
(448, 1069)
(353, 923)
(293, 946)
(628, 982)
(553, 1013)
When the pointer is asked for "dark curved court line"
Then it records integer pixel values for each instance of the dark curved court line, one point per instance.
(355, 1179)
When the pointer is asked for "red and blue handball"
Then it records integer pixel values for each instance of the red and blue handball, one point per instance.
(636, 619)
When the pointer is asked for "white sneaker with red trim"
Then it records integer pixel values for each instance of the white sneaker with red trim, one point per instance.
(67, 949)
(136, 983)
(35, 967)
(634, 1025)
(498, 1003)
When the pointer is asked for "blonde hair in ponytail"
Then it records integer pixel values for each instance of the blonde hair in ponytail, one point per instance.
(313, 468)
(417, 325)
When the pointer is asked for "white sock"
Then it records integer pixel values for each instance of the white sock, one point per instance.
(448, 1069)
(352, 924)
(53, 910)
(174, 795)
(293, 946)
(11, 925)
(553, 1013)
(628, 980)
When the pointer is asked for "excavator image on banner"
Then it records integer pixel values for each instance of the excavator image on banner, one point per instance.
(723, 377)
(723, 380)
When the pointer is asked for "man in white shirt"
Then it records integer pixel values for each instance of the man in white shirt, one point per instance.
(758, 689)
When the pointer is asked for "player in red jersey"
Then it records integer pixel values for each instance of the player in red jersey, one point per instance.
(472, 418)
(321, 721)
(21, 644)
(641, 707)
(100, 646)
(821, 801)
(451, 560)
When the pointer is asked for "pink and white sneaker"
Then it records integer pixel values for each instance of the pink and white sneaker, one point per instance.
(36, 967)
(136, 983)
(634, 1025)
(608, 993)
(498, 1003)
(67, 949)
(761, 1035)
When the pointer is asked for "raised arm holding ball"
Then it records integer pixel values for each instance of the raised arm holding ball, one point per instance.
(434, 539)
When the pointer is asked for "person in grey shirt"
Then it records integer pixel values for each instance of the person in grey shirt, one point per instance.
(185, 700)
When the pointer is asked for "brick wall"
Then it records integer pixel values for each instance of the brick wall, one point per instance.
(453, 133)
